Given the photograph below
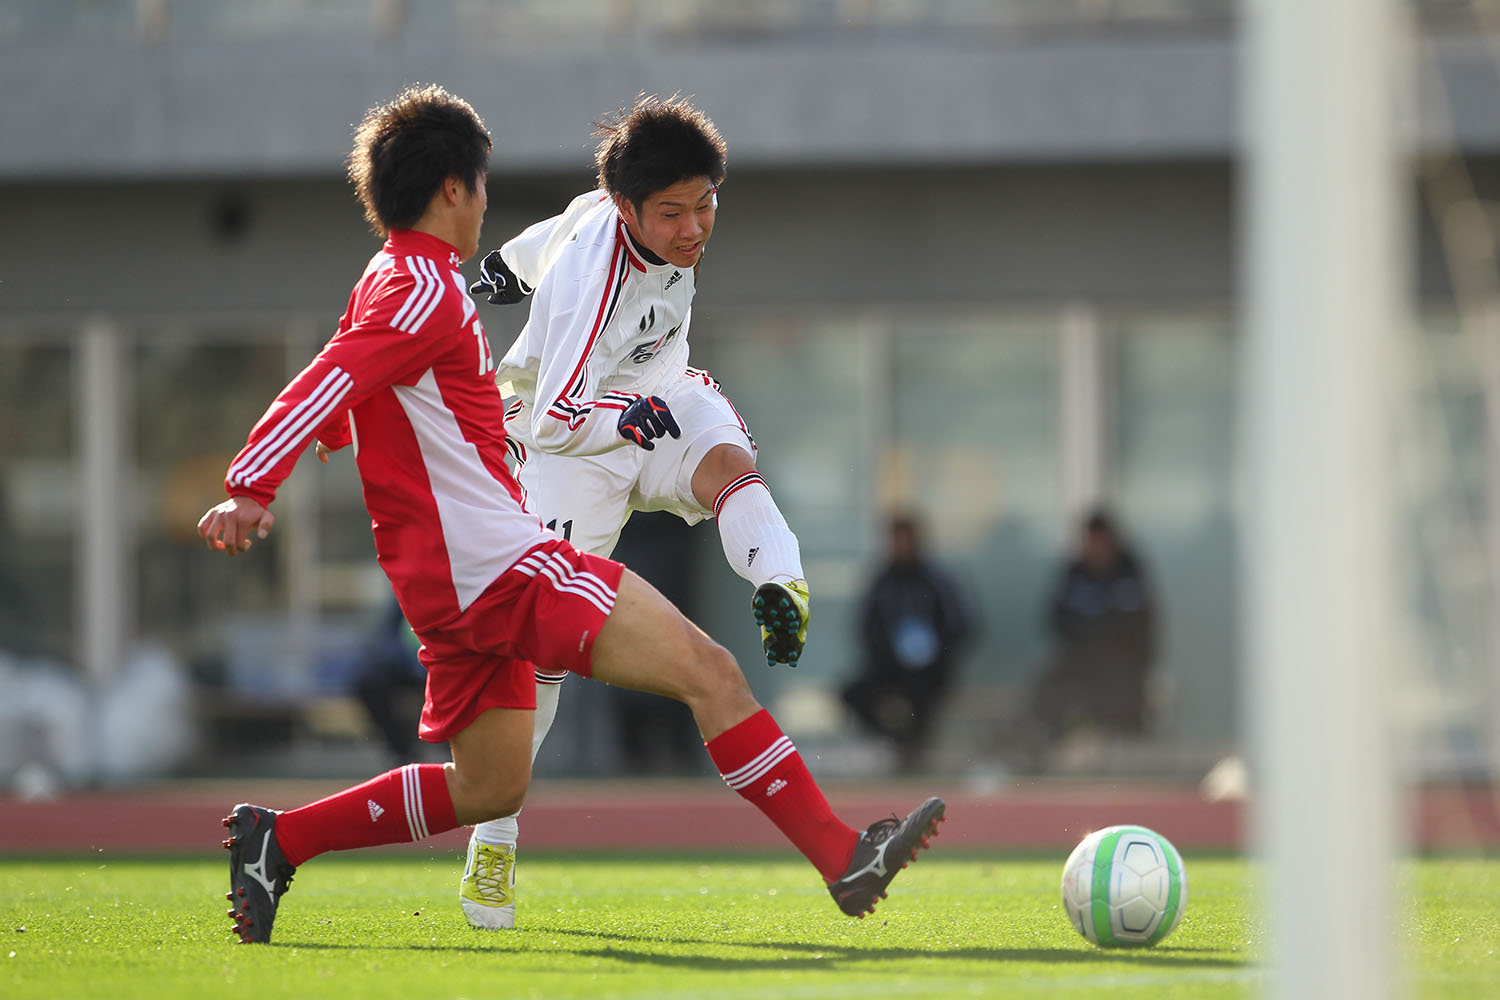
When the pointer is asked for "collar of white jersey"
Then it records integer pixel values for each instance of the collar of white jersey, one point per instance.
(633, 252)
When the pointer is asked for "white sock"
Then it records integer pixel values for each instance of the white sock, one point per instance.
(757, 542)
(505, 829)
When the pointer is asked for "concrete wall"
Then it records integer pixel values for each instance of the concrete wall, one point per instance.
(96, 108)
(1034, 233)
(114, 107)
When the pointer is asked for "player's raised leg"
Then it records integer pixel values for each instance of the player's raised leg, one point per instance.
(646, 644)
(759, 546)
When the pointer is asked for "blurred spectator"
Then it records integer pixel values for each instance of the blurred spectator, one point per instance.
(1102, 620)
(390, 682)
(913, 620)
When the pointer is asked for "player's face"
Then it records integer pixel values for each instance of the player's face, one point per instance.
(471, 208)
(674, 223)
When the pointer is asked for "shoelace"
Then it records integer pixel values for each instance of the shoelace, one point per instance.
(489, 875)
(882, 830)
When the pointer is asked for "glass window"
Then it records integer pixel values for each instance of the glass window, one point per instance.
(195, 398)
(1174, 484)
(37, 503)
(1447, 480)
(975, 454)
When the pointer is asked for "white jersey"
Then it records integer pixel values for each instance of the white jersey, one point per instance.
(607, 326)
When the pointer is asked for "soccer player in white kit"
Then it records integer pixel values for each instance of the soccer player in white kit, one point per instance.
(604, 354)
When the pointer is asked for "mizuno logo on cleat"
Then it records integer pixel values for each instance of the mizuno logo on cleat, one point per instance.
(775, 787)
(375, 811)
(257, 870)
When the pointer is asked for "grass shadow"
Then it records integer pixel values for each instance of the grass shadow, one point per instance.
(830, 953)
(633, 949)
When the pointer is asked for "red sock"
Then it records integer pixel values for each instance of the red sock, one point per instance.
(758, 761)
(409, 803)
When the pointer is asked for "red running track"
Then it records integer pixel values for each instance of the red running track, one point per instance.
(703, 815)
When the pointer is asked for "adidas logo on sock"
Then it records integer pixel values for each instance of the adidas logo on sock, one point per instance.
(775, 787)
(752, 555)
(375, 811)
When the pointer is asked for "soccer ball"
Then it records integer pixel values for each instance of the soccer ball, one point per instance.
(1124, 886)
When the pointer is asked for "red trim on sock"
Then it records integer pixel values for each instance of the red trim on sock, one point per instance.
(409, 803)
(748, 479)
(758, 760)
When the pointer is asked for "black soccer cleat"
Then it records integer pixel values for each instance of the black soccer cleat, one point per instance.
(258, 872)
(888, 846)
(782, 610)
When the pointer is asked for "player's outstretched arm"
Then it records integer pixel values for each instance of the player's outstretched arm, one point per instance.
(498, 283)
(524, 260)
(227, 526)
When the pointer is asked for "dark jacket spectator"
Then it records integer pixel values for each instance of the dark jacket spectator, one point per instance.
(1103, 619)
(913, 620)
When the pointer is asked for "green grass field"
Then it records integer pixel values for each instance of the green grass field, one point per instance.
(371, 925)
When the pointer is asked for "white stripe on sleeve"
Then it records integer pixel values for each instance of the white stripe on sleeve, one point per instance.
(420, 313)
(421, 291)
(301, 420)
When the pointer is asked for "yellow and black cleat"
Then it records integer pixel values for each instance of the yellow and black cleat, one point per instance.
(782, 610)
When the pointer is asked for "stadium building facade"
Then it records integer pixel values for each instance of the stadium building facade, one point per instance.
(976, 259)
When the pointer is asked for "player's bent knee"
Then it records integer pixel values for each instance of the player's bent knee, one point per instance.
(716, 674)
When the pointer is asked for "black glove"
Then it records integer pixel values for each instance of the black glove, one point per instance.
(648, 418)
(497, 282)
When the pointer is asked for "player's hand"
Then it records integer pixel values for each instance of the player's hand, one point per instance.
(227, 526)
(321, 450)
(646, 419)
(497, 282)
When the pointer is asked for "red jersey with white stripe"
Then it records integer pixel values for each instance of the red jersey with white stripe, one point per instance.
(607, 326)
(408, 379)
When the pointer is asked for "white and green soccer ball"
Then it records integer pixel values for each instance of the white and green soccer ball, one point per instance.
(1124, 886)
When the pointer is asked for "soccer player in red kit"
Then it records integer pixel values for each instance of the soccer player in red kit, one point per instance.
(409, 381)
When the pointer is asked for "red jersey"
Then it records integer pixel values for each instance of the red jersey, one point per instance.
(410, 382)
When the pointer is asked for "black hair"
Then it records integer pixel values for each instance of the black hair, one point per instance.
(406, 149)
(655, 144)
(1100, 521)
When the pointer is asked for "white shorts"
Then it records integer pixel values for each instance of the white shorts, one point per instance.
(588, 499)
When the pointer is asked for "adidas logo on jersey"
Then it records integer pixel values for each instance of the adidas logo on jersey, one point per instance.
(752, 556)
(672, 280)
(375, 811)
(775, 787)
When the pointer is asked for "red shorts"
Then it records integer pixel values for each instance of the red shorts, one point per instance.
(542, 613)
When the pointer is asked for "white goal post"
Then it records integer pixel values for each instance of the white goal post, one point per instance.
(1326, 291)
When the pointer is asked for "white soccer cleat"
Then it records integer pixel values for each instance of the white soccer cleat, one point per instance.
(488, 890)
